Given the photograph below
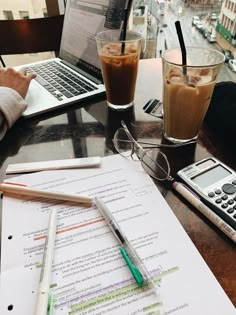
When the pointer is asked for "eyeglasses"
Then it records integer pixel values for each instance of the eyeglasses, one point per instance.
(153, 161)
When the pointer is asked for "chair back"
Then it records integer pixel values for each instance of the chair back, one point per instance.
(31, 35)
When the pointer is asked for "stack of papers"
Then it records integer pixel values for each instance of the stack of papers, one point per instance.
(89, 275)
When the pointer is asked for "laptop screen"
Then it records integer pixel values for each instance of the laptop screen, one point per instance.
(83, 20)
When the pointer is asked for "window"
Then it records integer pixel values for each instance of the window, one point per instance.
(24, 15)
(8, 15)
(223, 20)
(45, 12)
(231, 24)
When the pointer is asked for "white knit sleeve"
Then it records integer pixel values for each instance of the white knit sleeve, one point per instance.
(12, 105)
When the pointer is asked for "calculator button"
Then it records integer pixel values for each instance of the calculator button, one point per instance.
(234, 216)
(224, 206)
(234, 198)
(234, 182)
(230, 202)
(224, 197)
(218, 200)
(218, 191)
(211, 194)
(231, 210)
(228, 189)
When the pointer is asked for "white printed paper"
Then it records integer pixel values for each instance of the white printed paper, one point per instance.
(89, 275)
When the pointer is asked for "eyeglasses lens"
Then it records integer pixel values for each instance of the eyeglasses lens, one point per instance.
(155, 163)
(122, 143)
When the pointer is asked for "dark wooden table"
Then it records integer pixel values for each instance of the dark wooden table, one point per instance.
(87, 129)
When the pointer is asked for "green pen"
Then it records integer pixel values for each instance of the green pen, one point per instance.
(134, 270)
(50, 309)
(132, 259)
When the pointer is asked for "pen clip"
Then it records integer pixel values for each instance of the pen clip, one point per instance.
(50, 308)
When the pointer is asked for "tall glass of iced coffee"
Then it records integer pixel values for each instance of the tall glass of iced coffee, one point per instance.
(119, 62)
(187, 94)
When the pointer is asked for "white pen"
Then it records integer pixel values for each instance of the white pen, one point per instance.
(205, 210)
(25, 190)
(43, 296)
(131, 257)
(53, 165)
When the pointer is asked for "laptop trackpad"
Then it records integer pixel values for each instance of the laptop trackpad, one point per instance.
(38, 99)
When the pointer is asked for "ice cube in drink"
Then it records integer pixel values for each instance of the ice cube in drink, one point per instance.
(119, 72)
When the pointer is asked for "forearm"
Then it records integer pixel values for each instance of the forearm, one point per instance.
(12, 105)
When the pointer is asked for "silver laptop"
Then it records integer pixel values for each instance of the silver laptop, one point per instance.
(76, 74)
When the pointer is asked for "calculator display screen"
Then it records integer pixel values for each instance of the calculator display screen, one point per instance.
(211, 176)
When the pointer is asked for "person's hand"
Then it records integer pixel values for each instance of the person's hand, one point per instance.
(16, 80)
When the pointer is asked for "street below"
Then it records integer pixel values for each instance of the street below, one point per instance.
(162, 34)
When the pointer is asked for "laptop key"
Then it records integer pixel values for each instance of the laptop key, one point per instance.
(57, 96)
(82, 91)
(88, 88)
(62, 90)
(79, 92)
(51, 89)
(76, 93)
(53, 76)
(67, 94)
(41, 81)
(70, 89)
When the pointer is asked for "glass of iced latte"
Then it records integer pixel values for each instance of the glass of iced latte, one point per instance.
(119, 62)
(187, 90)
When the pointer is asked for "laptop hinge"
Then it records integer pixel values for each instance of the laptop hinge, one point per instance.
(87, 75)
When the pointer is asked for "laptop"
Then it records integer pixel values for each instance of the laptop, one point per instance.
(75, 75)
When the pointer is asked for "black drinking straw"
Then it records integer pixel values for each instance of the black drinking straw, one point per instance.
(123, 32)
(182, 46)
(124, 26)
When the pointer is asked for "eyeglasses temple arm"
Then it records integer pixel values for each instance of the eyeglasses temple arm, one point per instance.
(131, 138)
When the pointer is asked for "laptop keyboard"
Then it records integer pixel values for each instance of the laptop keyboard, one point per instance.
(59, 80)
